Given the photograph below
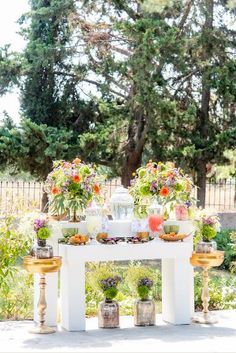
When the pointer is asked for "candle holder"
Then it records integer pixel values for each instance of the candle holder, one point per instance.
(206, 261)
(42, 266)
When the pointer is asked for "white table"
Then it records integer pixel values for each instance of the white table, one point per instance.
(177, 273)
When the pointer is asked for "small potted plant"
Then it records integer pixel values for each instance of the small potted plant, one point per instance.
(207, 227)
(104, 280)
(42, 230)
(142, 280)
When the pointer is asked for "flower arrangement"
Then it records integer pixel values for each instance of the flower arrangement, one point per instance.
(207, 225)
(142, 280)
(164, 181)
(144, 286)
(72, 186)
(109, 287)
(41, 228)
(105, 281)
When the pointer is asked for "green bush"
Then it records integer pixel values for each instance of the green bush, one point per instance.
(225, 242)
(13, 246)
(222, 291)
(16, 303)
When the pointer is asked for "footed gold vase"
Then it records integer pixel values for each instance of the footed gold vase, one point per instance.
(206, 261)
(42, 266)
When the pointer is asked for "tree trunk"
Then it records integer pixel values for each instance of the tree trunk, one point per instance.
(134, 148)
(44, 206)
(201, 183)
(132, 162)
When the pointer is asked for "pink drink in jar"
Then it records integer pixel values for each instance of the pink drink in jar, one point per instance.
(181, 212)
(155, 221)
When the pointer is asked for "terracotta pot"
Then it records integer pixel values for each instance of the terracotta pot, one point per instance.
(144, 313)
(108, 314)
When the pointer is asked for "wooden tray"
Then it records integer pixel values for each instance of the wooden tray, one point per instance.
(176, 237)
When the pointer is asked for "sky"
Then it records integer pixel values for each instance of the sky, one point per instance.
(10, 11)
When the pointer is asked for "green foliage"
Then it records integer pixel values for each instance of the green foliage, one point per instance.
(100, 272)
(227, 244)
(110, 293)
(222, 291)
(10, 68)
(14, 244)
(44, 233)
(208, 232)
(136, 272)
(33, 148)
(16, 303)
(143, 292)
(49, 91)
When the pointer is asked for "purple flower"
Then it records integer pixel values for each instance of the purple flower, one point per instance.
(110, 282)
(145, 281)
(40, 223)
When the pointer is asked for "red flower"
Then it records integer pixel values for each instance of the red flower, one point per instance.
(55, 190)
(76, 178)
(164, 191)
(96, 188)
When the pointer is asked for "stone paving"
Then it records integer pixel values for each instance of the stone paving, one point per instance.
(221, 337)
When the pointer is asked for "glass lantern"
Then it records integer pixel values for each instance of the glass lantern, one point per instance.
(122, 204)
(94, 215)
(155, 217)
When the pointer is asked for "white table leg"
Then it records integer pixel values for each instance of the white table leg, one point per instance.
(73, 296)
(177, 291)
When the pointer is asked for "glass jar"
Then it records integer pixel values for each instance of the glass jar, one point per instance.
(42, 250)
(206, 247)
(108, 314)
(155, 216)
(93, 220)
(144, 313)
(181, 212)
(122, 204)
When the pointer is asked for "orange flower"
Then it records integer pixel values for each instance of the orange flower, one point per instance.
(77, 161)
(164, 191)
(149, 165)
(170, 164)
(171, 173)
(96, 188)
(55, 190)
(76, 178)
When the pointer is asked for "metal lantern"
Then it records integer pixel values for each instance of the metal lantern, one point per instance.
(93, 220)
(122, 204)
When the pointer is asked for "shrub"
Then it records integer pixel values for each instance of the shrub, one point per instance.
(13, 246)
(141, 279)
(222, 291)
(16, 302)
(226, 243)
(104, 279)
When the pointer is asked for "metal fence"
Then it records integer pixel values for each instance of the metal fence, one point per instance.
(20, 195)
